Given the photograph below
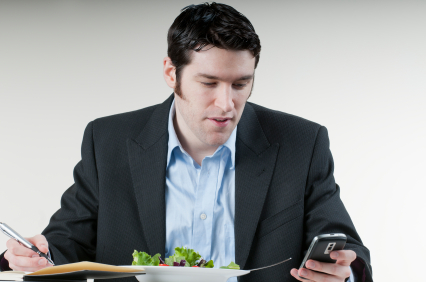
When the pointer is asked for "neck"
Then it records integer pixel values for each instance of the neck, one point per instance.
(190, 143)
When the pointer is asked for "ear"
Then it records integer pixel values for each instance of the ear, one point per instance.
(169, 72)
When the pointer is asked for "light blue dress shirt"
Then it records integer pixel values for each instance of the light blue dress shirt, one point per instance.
(200, 200)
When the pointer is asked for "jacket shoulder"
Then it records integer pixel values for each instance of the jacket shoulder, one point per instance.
(123, 125)
(283, 127)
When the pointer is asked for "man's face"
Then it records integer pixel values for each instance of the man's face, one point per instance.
(214, 88)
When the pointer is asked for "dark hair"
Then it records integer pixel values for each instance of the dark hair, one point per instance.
(205, 24)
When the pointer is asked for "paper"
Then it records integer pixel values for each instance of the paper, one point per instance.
(12, 275)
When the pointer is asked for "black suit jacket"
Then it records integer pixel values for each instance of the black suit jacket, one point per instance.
(285, 193)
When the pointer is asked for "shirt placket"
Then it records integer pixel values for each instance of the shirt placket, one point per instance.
(204, 204)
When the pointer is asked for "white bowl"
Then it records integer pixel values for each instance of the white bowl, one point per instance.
(186, 274)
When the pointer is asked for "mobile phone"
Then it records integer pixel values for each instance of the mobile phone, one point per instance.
(321, 247)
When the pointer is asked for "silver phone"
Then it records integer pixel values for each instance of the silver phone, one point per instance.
(321, 247)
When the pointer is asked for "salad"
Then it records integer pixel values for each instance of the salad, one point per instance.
(183, 257)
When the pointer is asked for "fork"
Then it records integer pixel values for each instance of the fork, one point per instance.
(269, 265)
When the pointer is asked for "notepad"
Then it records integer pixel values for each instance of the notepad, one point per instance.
(74, 272)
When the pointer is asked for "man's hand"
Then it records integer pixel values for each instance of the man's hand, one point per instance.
(21, 258)
(330, 272)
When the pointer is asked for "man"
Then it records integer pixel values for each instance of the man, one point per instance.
(205, 170)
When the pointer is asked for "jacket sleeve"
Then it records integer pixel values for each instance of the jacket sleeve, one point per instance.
(324, 210)
(71, 232)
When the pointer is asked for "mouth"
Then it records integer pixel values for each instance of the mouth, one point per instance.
(220, 121)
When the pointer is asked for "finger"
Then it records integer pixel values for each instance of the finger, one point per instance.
(11, 257)
(329, 268)
(40, 242)
(343, 257)
(31, 263)
(27, 269)
(20, 268)
(295, 274)
(317, 276)
(17, 249)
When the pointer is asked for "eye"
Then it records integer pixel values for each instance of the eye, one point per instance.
(209, 83)
(239, 86)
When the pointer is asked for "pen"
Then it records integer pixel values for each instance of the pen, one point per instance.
(21, 240)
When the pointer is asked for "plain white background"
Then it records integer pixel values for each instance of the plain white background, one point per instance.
(356, 67)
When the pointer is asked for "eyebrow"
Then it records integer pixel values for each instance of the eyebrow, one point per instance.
(245, 77)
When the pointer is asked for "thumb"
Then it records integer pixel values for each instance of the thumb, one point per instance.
(40, 242)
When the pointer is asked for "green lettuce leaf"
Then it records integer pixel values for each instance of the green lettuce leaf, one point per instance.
(169, 261)
(189, 255)
(156, 260)
(142, 258)
(209, 264)
(232, 265)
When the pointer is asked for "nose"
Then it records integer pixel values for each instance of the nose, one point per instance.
(224, 99)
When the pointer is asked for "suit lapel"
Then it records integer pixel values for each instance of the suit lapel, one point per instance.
(255, 163)
(147, 158)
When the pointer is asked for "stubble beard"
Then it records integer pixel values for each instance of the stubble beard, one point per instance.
(197, 130)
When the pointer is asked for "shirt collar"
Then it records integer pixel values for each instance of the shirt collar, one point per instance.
(174, 141)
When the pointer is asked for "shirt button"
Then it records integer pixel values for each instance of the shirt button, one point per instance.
(203, 216)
